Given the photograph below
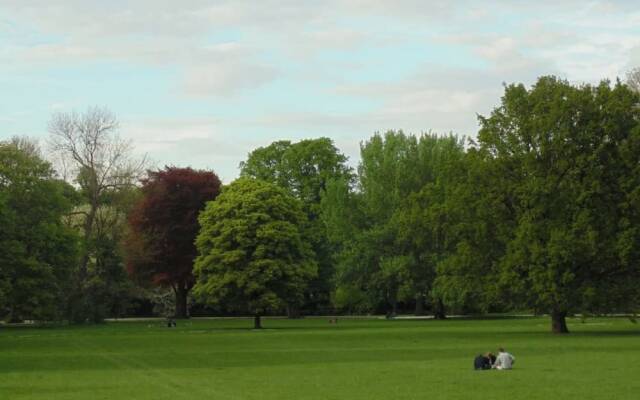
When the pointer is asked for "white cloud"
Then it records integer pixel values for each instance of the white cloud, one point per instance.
(60, 106)
(226, 79)
(634, 58)
(161, 33)
(154, 34)
(204, 143)
(225, 48)
(225, 69)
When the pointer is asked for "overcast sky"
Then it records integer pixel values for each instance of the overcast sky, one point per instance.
(202, 83)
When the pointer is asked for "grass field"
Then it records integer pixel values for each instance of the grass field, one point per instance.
(311, 359)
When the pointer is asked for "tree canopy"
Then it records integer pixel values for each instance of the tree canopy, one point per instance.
(37, 251)
(163, 228)
(304, 169)
(253, 252)
(540, 213)
(382, 225)
(567, 160)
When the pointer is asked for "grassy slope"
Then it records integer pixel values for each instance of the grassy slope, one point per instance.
(311, 359)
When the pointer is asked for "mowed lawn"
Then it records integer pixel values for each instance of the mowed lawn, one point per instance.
(312, 359)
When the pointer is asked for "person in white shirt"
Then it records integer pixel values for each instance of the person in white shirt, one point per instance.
(504, 360)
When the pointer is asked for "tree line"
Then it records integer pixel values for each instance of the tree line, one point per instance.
(539, 213)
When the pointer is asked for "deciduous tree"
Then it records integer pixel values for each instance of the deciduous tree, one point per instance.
(567, 160)
(163, 228)
(253, 252)
(633, 79)
(304, 169)
(37, 251)
(393, 239)
(101, 164)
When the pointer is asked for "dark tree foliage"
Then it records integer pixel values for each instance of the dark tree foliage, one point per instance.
(163, 228)
(37, 252)
(476, 222)
(567, 162)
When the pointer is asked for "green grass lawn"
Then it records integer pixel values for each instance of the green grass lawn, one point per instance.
(311, 359)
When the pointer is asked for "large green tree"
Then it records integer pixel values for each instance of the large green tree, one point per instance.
(567, 162)
(422, 225)
(382, 226)
(37, 251)
(253, 252)
(304, 168)
(474, 222)
(365, 254)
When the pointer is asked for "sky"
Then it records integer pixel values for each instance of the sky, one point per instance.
(201, 83)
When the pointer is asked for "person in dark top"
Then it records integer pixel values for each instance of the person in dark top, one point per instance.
(483, 361)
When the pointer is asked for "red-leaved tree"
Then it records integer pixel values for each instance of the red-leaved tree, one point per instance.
(163, 226)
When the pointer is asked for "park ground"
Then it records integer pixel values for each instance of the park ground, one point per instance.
(313, 359)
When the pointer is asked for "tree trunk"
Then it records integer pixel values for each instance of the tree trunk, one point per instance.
(419, 305)
(558, 322)
(257, 323)
(439, 312)
(87, 232)
(293, 312)
(181, 302)
(392, 311)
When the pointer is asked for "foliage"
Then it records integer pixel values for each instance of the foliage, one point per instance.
(542, 213)
(101, 165)
(36, 249)
(253, 253)
(163, 300)
(163, 227)
(567, 161)
(304, 170)
(386, 227)
(349, 299)
(478, 223)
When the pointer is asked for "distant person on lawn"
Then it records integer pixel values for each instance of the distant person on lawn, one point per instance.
(504, 360)
(484, 361)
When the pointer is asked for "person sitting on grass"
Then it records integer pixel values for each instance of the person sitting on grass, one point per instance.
(504, 360)
(484, 361)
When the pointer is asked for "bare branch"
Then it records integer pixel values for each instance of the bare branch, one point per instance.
(91, 151)
(90, 146)
(633, 79)
(77, 213)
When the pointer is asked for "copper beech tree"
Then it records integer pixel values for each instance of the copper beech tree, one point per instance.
(163, 227)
